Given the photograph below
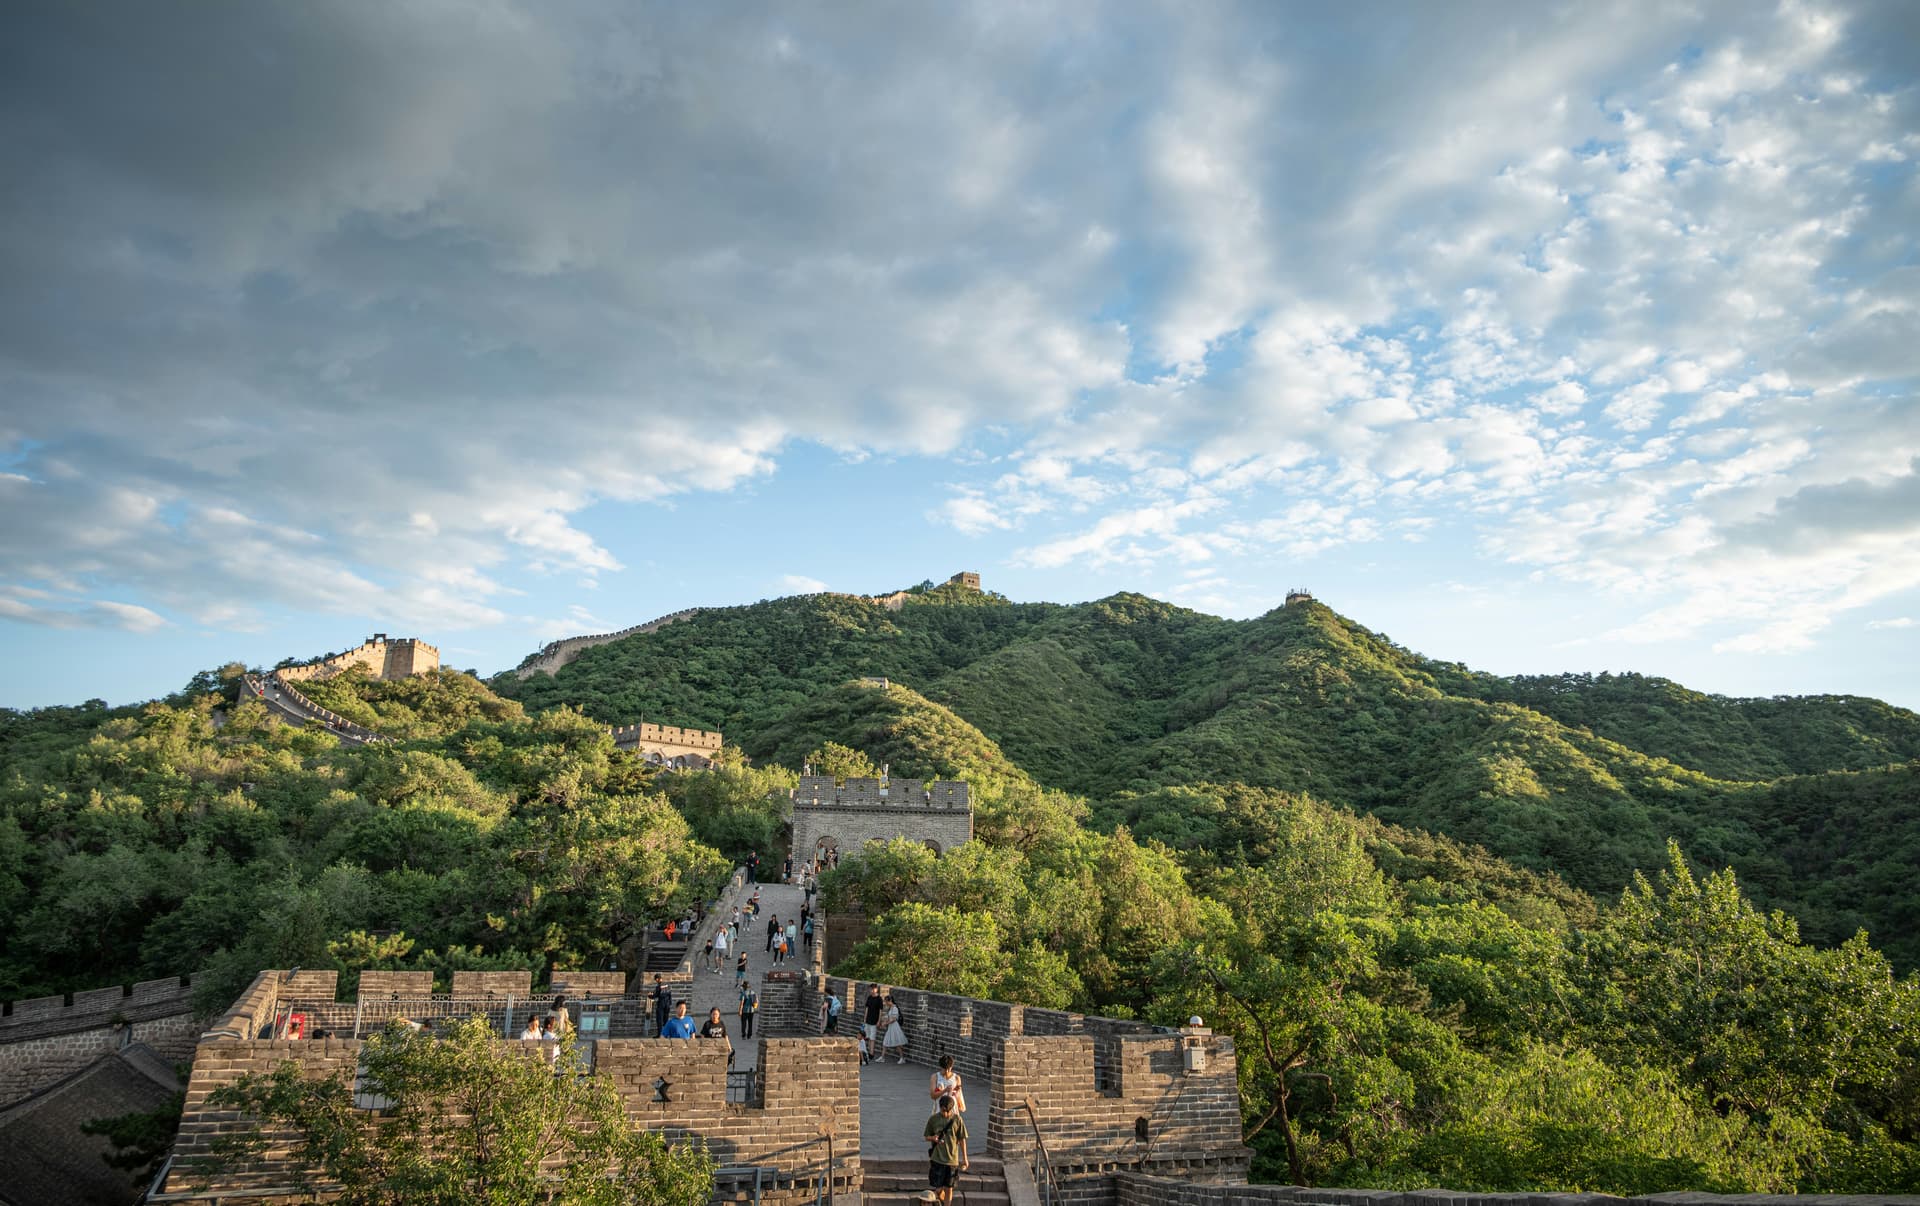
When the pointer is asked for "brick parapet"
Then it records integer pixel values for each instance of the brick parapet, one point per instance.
(42, 1017)
(1090, 1078)
(555, 654)
(676, 1087)
(493, 983)
(396, 658)
(375, 985)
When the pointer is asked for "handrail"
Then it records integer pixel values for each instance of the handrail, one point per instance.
(1043, 1176)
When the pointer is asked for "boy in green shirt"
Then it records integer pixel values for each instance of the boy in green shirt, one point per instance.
(946, 1135)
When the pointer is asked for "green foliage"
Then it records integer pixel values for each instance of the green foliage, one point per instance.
(141, 1140)
(469, 1119)
(1578, 777)
(147, 842)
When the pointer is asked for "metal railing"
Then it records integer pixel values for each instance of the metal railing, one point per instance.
(1044, 1180)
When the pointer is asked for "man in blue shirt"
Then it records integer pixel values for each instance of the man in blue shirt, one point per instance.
(679, 1025)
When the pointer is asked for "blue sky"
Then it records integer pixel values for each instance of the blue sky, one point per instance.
(1540, 337)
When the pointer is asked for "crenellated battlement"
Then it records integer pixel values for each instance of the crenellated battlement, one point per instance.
(383, 658)
(555, 654)
(823, 791)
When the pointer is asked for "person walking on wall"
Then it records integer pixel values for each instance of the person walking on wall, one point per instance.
(740, 971)
(773, 927)
(945, 1082)
(749, 1005)
(871, 1028)
(806, 934)
(946, 1136)
(679, 1026)
(832, 1024)
(720, 945)
(715, 1030)
(895, 1043)
(662, 998)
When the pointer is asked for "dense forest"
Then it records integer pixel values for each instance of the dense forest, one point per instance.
(1584, 776)
(1466, 931)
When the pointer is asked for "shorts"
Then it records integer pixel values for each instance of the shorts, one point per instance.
(940, 1176)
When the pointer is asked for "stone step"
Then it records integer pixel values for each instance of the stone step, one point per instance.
(975, 1195)
(899, 1182)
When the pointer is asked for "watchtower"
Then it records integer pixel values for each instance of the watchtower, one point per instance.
(1299, 594)
(830, 815)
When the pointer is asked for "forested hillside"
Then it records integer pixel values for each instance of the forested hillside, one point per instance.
(1586, 777)
(1409, 1009)
(200, 834)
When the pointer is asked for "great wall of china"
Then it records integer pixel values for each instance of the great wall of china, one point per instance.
(555, 654)
(45, 1039)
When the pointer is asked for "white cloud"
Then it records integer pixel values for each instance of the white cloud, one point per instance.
(1896, 622)
(800, 584)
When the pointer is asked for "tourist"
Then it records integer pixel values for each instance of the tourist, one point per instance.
(871, 1029)
(740, 971)
(773, 927)
(806, 933)
(749, 1005)
(780, 948)
(662, 998)
(706, 957)
(946, 1136)
(716, 1030)
(679, 1026)
(895, 1042)
(793, 936)
(945, 1082)
(532, 1033)
(833, 1008)
(720, 951)
(557, 1014)
(866, 1051)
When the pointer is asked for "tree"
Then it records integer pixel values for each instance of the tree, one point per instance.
(842, 762)
(141, 1140)
(469, 1120)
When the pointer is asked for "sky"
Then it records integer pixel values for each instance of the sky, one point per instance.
(1539, 336)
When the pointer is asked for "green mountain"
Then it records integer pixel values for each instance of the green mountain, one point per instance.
(1409, 1009)
(1583, 777)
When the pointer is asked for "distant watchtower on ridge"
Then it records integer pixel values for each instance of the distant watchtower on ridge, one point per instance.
(1299, 594)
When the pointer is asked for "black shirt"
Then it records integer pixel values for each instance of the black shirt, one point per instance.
(873, 1010)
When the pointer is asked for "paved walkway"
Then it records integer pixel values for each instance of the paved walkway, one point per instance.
(894, 1108)
(711, 989)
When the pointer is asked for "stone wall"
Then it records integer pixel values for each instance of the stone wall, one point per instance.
(375, 985)
(667, 740)
(45, 1039)
(806, 1086)
(1089, 1079)
(398, 658)
(848, 815)
(555, 654)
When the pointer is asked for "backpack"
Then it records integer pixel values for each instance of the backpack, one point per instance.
(833, 1007)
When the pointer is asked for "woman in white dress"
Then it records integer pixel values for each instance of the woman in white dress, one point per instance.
(895, 1042)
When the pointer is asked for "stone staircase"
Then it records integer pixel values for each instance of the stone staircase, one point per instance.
(897, 1182)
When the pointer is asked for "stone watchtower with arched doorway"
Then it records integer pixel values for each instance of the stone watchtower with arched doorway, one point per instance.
(830, 815)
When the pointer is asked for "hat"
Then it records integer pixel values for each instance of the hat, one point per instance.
(1195, 1021)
